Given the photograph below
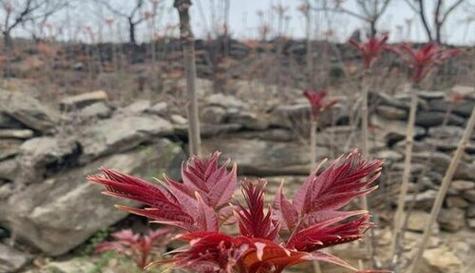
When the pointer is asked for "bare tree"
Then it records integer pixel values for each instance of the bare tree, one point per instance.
(133, 16)
(18, 12)
(370, 11)
(441, 12)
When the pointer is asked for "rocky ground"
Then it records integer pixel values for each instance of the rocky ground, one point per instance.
(47, 150)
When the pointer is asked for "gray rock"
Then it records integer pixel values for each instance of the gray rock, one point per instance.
(42, 156)
(430, 95)
(391, 112)
(9, 169)
(440, 162)
(63, 211)
(389, 155)
(71, 266)
(380, 98)
(418, 221)
(431, 119)
(160, 108)
(446, 132)
(264, 158)
(249, 120)
(452, 219)
(12, 260)
(16, 133)
(423, 201)
(456, 202)
(178, 120)
(392, 131)
(7, 122)
(471, 223)
(29, 111)
(137, 107)
(213, 115)
(469, 196)
(9, 148)
(225, 101)
(120, 133)
(463, 109)
(270, 134)
(471, 211)
(440, 260)
(82, 100)
(462, 185)
(95, 110)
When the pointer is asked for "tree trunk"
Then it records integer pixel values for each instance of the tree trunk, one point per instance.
(7, 39)
(132, 39)
(188, 45)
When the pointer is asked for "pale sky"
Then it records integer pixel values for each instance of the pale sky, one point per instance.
(244, 21)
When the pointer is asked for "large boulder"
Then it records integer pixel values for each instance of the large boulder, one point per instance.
(120, 133)
(63, 211)
(29, 111)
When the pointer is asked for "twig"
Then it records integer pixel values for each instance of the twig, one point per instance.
(406, 173)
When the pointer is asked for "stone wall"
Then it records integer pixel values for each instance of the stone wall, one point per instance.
(46, 153)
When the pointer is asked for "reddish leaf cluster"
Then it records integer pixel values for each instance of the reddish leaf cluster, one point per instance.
(318, 101)
(136, 246)
(203, 203)
(371, 49)
(422, 60)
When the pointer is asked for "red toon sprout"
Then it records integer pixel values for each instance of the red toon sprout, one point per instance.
(314, 217)
(318, 101)
(136, 246)
(424, 59)
(371, 49)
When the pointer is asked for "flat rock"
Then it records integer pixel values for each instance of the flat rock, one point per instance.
(9, 148)
(264, 158)
(428, 119)
(137, 107)
(160, 108)
(452, 219)
(63, 211)
(45, 155)
(12, 260)
(462, 185)
(71, 266)
(29, 111)
(120, 133)
(7, 122)
(418, 221)
(16, 133)
(82, 100)
(9, 169)
(456, 202)
(469, 196)
(213, 115)
(392, 131)
(391, 112)
(96, 110)
(440, 260)
(225, 101)
(440, 162)
(431, 95)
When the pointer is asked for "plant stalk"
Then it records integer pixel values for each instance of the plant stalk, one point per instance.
(313, 142)
(443, 191)
(188, 45)
(398, 217)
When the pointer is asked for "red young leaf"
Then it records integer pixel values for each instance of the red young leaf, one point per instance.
(252, 220)
(135, 246)
(346, 178)
(371, 49)
(285, 210)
